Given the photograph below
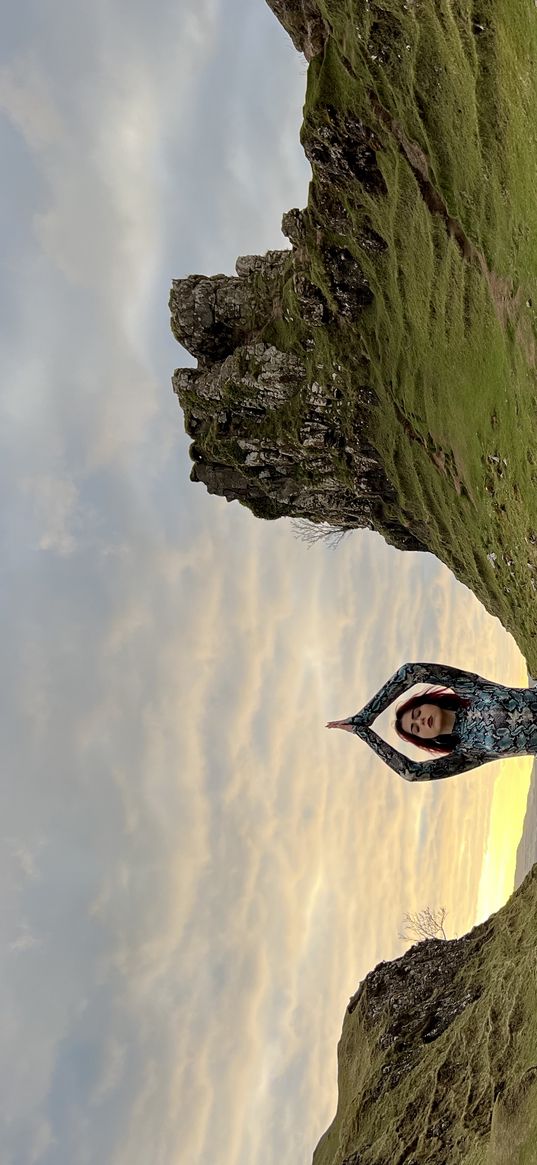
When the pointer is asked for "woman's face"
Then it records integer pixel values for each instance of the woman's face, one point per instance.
(424, 721)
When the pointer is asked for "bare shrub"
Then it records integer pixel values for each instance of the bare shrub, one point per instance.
(422, 924)
(313, 532)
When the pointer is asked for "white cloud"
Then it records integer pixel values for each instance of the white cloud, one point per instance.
(26, 99)
(112, 1071)
(55, 501)
(42, 1141)
(209, 848)
(24, 940)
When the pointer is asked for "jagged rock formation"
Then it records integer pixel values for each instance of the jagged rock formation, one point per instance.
(374, 374)
(264, 431)
(293, 474)
(271, 422)
(269, 429)
(436, 1064)
(213, 316)
(303, 22)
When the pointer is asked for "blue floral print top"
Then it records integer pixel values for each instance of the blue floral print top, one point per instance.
(498, 722)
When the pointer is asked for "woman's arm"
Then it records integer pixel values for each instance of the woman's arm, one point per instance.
(464, 682)
(436, 769)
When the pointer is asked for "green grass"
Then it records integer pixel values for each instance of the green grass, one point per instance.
(448, 341)
(470, 1096)
(449, 90)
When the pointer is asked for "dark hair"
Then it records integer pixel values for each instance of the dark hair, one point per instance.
(441, 698)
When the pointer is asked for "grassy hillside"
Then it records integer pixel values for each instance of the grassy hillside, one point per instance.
(438, 1055)
(429, 111)
(447, 93)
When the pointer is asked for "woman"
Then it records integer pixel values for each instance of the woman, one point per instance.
(475, 722)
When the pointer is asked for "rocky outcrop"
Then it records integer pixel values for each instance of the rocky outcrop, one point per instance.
(304, 23)
(246, 447)
(432, 1066)
(278, 420)
(266, 431)
(213, 316)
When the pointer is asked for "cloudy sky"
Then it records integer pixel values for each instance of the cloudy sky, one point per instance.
(194, 874)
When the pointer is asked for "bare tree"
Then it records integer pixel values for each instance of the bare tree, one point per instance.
(421, 924)
(312, 532)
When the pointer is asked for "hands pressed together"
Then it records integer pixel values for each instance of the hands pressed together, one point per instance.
(340, 724)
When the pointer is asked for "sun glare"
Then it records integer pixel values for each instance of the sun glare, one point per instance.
(508, 809)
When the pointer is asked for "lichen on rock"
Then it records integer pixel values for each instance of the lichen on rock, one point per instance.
(270, 421)
(264, 432)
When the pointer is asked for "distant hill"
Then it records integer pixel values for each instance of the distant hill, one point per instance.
(526, 854)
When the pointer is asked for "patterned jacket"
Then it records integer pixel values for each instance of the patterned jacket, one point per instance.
(498, 722)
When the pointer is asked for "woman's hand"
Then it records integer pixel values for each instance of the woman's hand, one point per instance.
(340, 724)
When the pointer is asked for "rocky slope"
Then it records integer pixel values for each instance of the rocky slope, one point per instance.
(437, 1063)
(304, 22)
(265, 432)
(381, 371)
